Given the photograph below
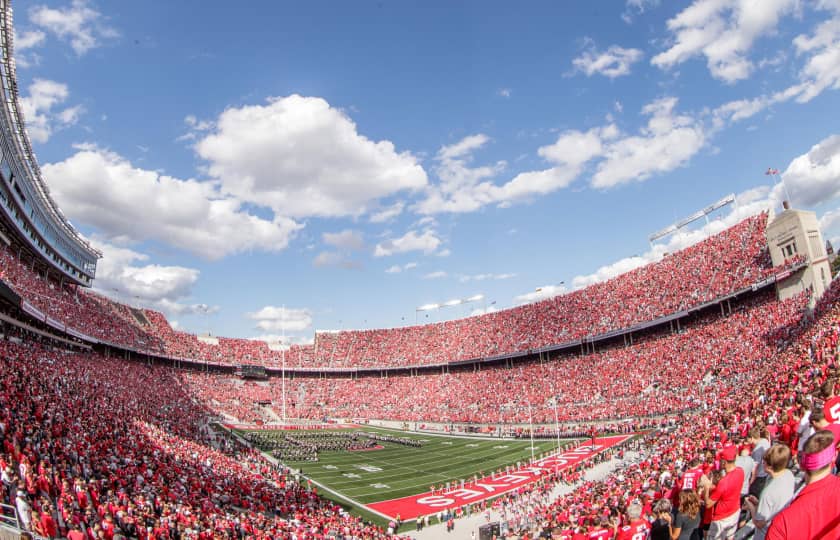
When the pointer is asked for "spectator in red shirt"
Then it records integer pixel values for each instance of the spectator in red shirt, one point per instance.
(725, 501)
(815, 512)
(636, 527)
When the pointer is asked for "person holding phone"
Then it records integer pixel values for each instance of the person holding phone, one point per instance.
(777, 492)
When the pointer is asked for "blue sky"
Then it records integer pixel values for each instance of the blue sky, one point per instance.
(352, 161)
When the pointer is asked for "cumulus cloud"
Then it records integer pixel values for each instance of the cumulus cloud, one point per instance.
(387, 213)
(435, 275)
(301, 157)
(750, 203)
(723, 31)
(347, 239)
(29, 39)
(814, 177)
(612, 63)
(40, 112)
(822, 49)
(465, 278)
(540, 293)
(128, 275)
(667, 142)
(426, 242)
(463, 188)
(104, 190)
(278, 319)
(83, 27)
(396, 269)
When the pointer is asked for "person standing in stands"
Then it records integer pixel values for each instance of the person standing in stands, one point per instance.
(815, 512)
(636, 526)
(777, 492)
(761, 444)
(725, 500)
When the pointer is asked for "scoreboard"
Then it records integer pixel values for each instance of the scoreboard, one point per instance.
(248, 371)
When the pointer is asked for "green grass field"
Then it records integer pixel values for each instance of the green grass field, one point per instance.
(398, 470)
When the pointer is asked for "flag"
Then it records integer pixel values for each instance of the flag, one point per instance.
(771, 172)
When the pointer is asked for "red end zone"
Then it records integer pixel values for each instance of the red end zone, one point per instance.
(492, 486)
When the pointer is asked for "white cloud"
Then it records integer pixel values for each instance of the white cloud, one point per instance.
(483, 311)
(427, 242)
(388, 213)
(301, 157)
(126, 274)
(284, 340)
(79, 24)
(814, 177)
(830, 220)
(750, 203)
(396, 269)
(277, 319)
(28, 40)
(668, 141)
(37, 107)
(723, 31)
(347, 239)
(105, 191)
(483, 277)
(637, 7)
(612, 63)
(466, 189)
(822, 68)
(435, 275)
(505, 92)
(540, 293)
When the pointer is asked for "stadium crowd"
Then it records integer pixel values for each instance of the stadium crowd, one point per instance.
(102, 448)
(778, 414)
(732, 260)
(661, 374)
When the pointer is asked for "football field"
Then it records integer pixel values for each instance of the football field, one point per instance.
(373, 480)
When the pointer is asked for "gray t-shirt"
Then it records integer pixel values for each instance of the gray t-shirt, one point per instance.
(776, 495)
(748, 465)
(761, 446)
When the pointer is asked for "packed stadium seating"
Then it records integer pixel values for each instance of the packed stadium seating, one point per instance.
(776, 389)
(106, 444)
(722, 264)
(661, 374)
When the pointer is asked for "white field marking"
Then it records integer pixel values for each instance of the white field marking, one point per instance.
(447, 443)
(501, 447)
(513, 488)
(472, 445)
(423, 486)
(455, 461)
(351, 475)
(330, 467)
(368, 468)
(348, 499)
(398, 484)
(380, 486)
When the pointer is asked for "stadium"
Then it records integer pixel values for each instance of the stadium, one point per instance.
(621, 409)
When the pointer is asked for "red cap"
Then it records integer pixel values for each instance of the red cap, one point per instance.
(728, 453)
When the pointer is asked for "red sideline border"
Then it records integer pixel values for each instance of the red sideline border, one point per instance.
(492, 486)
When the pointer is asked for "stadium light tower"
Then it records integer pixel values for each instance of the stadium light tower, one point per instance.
(557, 419)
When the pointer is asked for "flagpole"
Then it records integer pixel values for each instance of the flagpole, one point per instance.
(784, 185)
(775, 172)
